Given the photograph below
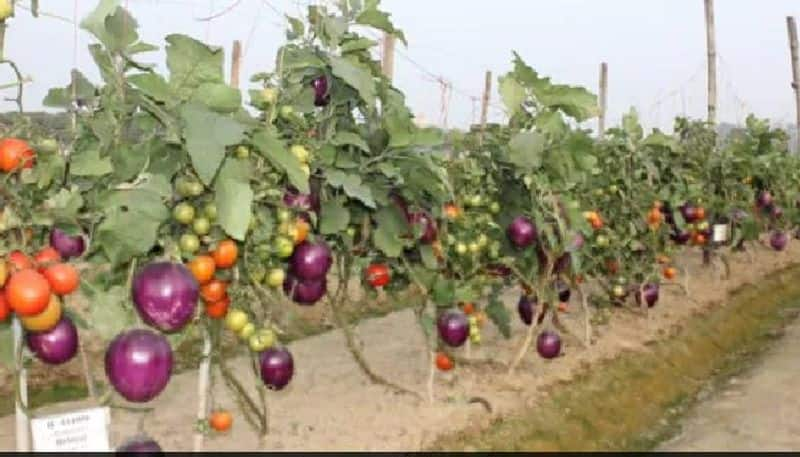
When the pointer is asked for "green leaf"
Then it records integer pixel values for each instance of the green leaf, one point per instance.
(275, 151)
(207, 135)
(234, 199)
(428, 257)
(120, 30)
(391, 227)
(380, 21)
(153, 85)
(124, 234)
(352, 186)
(296, 28)
(192, 63)
(512, 93)
(444, 292)
(357, 77)
(344, 138)
(631, 125)
(95, 22)
(526, 149)
(359, 44)
(108, 311)
(334, 217)
(219, 97)
(88, 163)
(499, 315)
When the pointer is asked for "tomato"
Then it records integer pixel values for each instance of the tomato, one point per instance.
(483, 240)
(247, 331)
(201, 226)
(618, 291)
(184, 187)
(284, 215)
(613, 188)
(202, 268)
(210, 212)
(602, 241)
(47, 256)
(494, 208)
(242, 152)
(275, 277)
(443, 362)
(269, 95)
(236, 320)
(3, 274)
(183, 213)
(286, 112)
(213, 291)
(45, 320)
(654, 217)
(378, 275)
(461, 248)
(63, 278)
(189, 243)
(195, 188)
(28, 292)
(221, 421)
(15, 154)
(701, 213)
(451, 211)
(225, 254)
(699, 239)
(670, 273)
(563, 307)
(261, 340)
(218, 309)
(474, 247)
(300, 152)
(301, 229)
(468, 309)
(5, 309)
(18, 261)
(283, 247)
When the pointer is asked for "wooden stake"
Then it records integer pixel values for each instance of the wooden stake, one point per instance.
(601, 121)
(236, 62)
(792, 26)
(21, 390)
(712, 62)
(387, 64)
(487, 93)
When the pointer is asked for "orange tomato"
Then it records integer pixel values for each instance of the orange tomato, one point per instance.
(451, 211)
(63, 278)
(468, 308)
(481, 317)
(670, 273)
(563, 307)
(225, 254)
(45, 320)
(5, 309)
(213, 291)
(701, 213)
(699, 239)
(301, 229)
(654, 217)
(3, 274)
(47, 256)
(15, 154)
(443, 362)
(17, 261)
(597, 223)
(203, 268)
(28, 292)
(221, 421)
(218, 309)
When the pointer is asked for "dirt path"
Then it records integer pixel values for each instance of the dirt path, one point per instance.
(330, 405)
(757, 411)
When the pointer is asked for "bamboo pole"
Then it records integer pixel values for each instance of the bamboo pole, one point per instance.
(387, 61)
(236, 62)
(21, 402)
(793, 48)
(601, 121)
(711, 45)
(487, 93)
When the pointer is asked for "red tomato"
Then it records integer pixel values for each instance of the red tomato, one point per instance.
(443, 362)
(47, 256)
(17, 260)
(378, 275)
(218, 309)
(63, 278)
(15, 154)
(5, 309)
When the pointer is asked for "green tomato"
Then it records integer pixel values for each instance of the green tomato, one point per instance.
(476, 200)
(261, 340)
(269, 95)
(284, 215)
(613, 188)
(286, 112)
(210, 211)
(602, 241)
(183, 213)
(48, 145)
(246, 331)
(618, 291)
(196, 188)
(473, 321)
(183, 187)
(283, 247)
(494, 254)
(351, 232)
(494, 207)
(483, 240)
(300, 152)
(201, 226)
(461, 248)
(242, 152)
(476, 338)
(599, 192)
(449, 239)
(236, 320)
(702, 226)
(275, 277)
(189, 243)
(474, 247)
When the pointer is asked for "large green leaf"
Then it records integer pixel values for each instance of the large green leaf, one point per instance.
(334, 217)
(525, 150)
(275, 151)
(352, 185)
(95, 22)
(380, 20)
(87, 162)
(234, 199)
(391, 227)
(512, 93)
(344, 138)
(219, 97)
(207, 136)
(192, 63)
(108, 311)
(153, 85)
(356, 76)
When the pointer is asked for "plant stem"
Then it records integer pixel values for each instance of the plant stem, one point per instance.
(204, 372)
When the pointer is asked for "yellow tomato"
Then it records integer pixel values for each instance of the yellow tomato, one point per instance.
(3, 273)
(45, 320)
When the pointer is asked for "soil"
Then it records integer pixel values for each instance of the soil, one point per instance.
(331, 405)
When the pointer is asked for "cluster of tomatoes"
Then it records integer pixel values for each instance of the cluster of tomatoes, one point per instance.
(197, 221)
(33, 288)
(467, 236)
(213, 289)
(476, 320)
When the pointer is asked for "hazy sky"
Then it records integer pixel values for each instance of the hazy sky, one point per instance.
(655, 49)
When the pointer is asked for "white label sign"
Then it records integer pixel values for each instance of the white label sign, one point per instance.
(720, 233)
(85, 430)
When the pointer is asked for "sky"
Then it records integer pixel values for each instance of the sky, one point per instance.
(655, 49)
